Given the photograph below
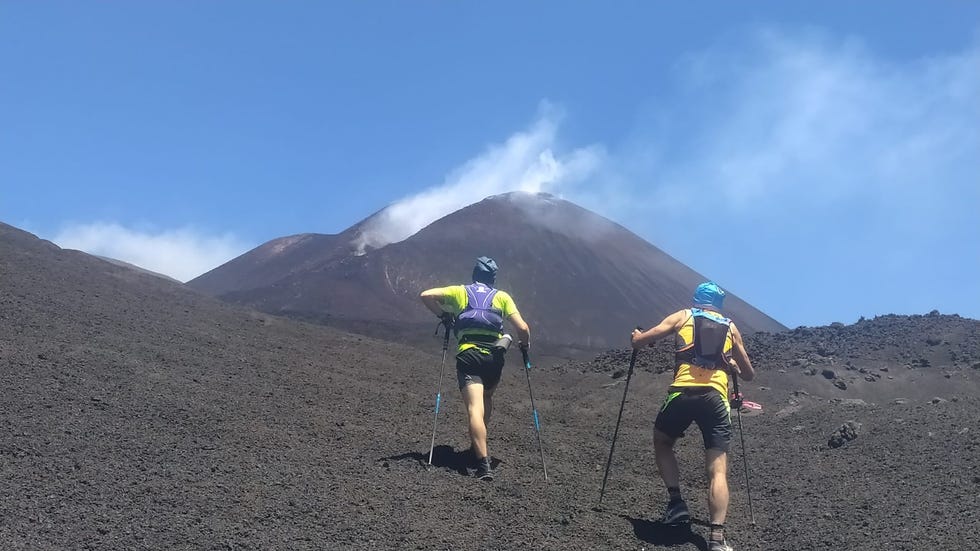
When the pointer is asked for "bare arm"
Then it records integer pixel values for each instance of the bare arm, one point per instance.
(523, 331)
(741, 357)
(669, 325)
(433, 301)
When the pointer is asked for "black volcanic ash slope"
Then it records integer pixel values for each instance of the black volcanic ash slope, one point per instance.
(137, 415)
(579, 279)
(909, 385)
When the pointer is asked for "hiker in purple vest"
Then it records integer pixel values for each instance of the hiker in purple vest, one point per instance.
(478, 311)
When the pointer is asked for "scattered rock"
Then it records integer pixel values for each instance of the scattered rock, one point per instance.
(976, 365)
(933, 341)
(847, 432)
(828, 373)
(900, 401)
(937, 400)
(809, 371)
(789, 410)
(870, 379)
(853, 402)
(885, 369)
(840, 384)
(618, 373)
(825, 351)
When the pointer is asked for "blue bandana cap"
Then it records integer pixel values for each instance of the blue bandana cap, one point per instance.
(709, 294)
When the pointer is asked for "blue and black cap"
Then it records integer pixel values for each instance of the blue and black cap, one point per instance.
(485, 270)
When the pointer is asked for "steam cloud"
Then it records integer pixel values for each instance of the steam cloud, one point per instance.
(181, 254)
(818, 154)
(820, 119)
(810, 145)
(779, 135)
(527, 162)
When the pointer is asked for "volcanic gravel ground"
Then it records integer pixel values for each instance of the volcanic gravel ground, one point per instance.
(138, 415)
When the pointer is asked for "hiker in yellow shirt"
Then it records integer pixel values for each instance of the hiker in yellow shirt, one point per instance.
(707, 345)
(479, 310)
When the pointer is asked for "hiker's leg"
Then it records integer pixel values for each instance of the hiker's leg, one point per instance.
(672, 421)
(663, 445)
(473, 398)
(717, 465)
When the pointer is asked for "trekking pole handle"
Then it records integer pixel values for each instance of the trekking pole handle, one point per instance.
(447, 321)
(734, 375)
(638, 328)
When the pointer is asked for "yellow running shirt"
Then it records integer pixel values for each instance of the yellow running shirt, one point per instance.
(687, 374)
(454, 301)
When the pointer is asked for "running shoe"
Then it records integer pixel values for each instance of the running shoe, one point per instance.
(677, 512)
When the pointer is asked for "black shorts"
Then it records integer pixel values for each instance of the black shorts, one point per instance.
(703, 405)
(475, 365)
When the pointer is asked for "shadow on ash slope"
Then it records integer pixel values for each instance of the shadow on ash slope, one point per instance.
(137, 415)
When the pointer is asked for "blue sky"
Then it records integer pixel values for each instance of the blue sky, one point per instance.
(821, 161)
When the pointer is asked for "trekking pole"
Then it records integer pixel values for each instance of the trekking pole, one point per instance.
(537, 426)
(629, 375)
(435, 421)
(745, 455)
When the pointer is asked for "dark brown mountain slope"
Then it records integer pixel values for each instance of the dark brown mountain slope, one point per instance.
(580, 279)
(138, 415)
(263, 266)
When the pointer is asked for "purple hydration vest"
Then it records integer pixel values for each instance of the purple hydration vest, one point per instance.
(479, 319)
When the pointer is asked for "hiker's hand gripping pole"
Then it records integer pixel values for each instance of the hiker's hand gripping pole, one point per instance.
(447, 322)
(537, 425)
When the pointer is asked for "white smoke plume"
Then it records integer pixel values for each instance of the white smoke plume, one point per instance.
(528, 161)
(182, 254)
